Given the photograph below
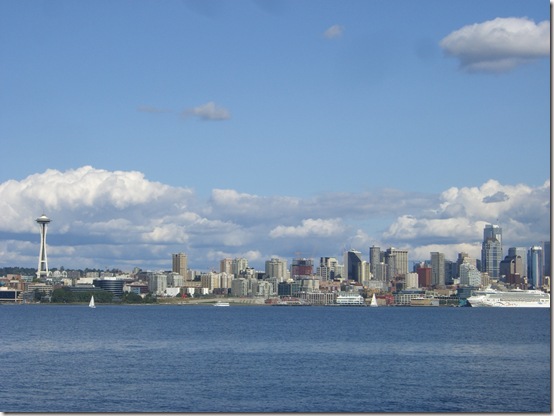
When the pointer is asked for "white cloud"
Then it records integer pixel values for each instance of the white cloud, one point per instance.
(521, 210)
(498, 45)
(334, 31)
(209, 111)
(310, 227)
(121, 219)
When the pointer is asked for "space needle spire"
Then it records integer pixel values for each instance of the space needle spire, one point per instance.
(42, 270)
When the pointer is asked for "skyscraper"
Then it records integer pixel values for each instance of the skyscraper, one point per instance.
(437, 269)
(397, 260)
(547, 258)
(353, 265)
(521, 252)
(374, 258)
(491, 250)
(180, 264)
(42, 269)
(301, 267)
(240, 264)
(276, 268)
(327, 269)
(535, 264)
(226, 266)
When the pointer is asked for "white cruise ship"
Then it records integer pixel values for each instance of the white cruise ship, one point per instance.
(515, 298)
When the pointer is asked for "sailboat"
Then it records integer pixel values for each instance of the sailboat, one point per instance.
(91, 303)
(373, 301)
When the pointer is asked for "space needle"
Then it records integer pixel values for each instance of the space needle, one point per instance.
(42, 270)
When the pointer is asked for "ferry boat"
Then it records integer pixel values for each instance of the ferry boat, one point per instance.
(515, 298)
(219, 303)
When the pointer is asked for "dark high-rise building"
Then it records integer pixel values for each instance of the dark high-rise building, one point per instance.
(491, 250)
(535, 265)
(437, 269)
(547, 258)
(353, 265)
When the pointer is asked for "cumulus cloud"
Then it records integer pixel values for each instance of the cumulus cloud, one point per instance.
(209, 111)
(521, 210)
(498, 45)
(333, 32)
(309, 227)
(121, 219)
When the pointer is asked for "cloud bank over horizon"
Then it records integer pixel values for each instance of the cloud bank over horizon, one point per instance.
(121, 219)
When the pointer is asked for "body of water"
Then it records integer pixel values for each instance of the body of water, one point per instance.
(274, 359)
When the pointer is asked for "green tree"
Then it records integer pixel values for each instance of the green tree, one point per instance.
(131, 297)
(63, 295)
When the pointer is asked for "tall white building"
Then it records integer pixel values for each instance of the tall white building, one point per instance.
(411, 281)
(276, 268)
(397, 261)
(239, 265)
(469, 275)
(328, 268)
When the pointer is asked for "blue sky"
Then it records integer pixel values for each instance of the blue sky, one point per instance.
(319, 102)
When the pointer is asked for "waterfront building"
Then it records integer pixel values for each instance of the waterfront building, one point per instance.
(276, 268)
(42, 270)
(175, 279)
(349, 299)
(491, 250)
(353, 265)
(437, 269)
(318, 297)
(290, 288)
(115, 285)
(404, 297)
(180, 264)
(157, 282)
(9, 295)
(535, 264)
(264, 289)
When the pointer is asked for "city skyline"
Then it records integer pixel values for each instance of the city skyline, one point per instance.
(268, 128)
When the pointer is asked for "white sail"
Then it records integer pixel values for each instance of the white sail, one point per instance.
(373, 301)
(91, 304)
